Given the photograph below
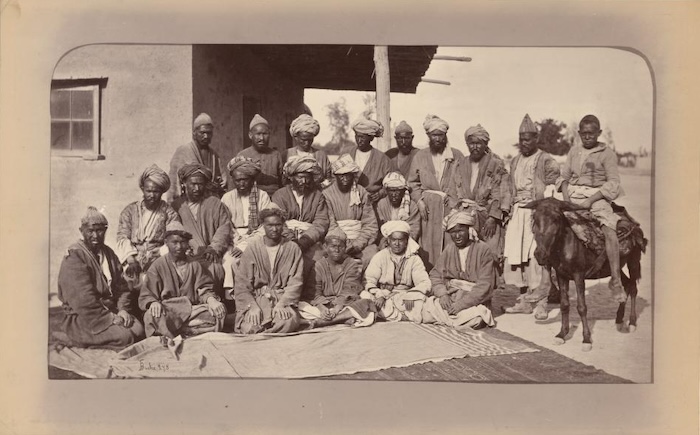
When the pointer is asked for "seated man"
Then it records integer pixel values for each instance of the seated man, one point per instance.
(337, 282)
(206, 219)
(396, 280)
(141, 231)
(305, 206)
(178, 295)
(96, 299)
(463, 278)
(269, 281)
(244, 202)
(350, 209)
(590, 179)
(398, 205)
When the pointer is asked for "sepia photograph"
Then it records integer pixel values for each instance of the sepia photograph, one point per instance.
(407, 213)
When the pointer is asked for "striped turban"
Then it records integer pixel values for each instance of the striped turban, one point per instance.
(397, 181)
(304, 124)
(435, 123)
(368, 126)
(456, 217)
(344, 164)
(527, 126)
(257, 119)
(337, 233)
(403, 127)
(477, 132)
(157, 176)
(202, 119)
(93, 217)
(244, 165)
(299, 164)
(191, 169)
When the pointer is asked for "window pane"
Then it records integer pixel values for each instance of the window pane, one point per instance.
(60, 135)
(82, 135)
(81, 106)
(60, 103)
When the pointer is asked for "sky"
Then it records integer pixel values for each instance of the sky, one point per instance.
(501, 84)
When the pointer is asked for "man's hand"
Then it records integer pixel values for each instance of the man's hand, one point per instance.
(446, 302)
(379, 302)
(409, 305)
(254, 314)
(423, 209)
(565, 191)
(489, 228)
(216, 308)
(282, 312)
(325, 312)
(305, 242)
(133, 268)
(376, 196)
(453, 310)
(127, 319)
(156, 309)
(211, 256)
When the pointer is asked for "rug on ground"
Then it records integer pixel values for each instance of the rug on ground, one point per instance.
(323, 352)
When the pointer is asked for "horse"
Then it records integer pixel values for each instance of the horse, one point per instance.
(559, 247)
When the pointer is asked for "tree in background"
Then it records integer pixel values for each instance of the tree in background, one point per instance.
(339, 118)
(552, 137)
(370, 101)
(608, 138)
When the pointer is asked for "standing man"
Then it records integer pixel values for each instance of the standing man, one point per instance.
(373, 164)
(431, 171)
(303, 131)
(270, 178)
(403, 154)
(480, 178)
(530, 172)
(198, 151)
(206, 219)
(590, 179)
(96, 300)
(268, 285)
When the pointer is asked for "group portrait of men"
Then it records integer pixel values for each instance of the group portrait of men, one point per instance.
(279, 242)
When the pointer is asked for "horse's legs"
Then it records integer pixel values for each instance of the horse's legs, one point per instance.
(631, 289)
(564, 305)
(620, 316)
(580, 282)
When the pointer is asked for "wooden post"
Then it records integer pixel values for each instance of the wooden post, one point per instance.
(381, 67)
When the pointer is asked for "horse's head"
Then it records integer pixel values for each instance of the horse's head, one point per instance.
(547, 221)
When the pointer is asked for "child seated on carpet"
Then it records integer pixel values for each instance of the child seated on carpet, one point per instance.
(178, 294)
(333, 294)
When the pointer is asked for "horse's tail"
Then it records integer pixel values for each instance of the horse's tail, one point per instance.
(639, 246)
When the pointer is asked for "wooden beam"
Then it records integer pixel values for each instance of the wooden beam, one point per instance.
(381, 67)
(457, 58)
(437, 82)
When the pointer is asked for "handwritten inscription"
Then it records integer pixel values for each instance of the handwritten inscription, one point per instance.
(150, 366)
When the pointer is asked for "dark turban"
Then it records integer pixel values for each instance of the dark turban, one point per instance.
(193, 169)
(244, 165)
(477, 132)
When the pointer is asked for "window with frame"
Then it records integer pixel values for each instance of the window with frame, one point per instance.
(75, 118)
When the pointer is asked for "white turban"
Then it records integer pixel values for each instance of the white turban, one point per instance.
(401, 227)
(435, 123)
(304, 124)
(368, 126)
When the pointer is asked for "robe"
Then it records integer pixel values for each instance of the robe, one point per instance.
(259, 283)
(401, 162)
(190, 153)
(313, 211)
(408, 281)
(92, 293)
(339, 210)
(375, 170)
(184, 299)
(320, 156)
(491, 178)
(211, 228)
(386, 212)
(270, 177)
(338, 285)
(425, 185)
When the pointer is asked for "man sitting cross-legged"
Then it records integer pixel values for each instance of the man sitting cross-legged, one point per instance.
(337, 281)
(178, 296)
(269, 280)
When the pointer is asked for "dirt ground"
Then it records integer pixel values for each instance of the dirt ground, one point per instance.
(628, 355)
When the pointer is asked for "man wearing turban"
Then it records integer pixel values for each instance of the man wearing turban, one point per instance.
(207, 219)
(398, 205)
(244, 203)
(303, 131)
(403, 154)
(350, 210)
(178, 296)
(481, 177)
(373, 164)
(270, 177)
(431, 171)
(198, 151)
(463, 279)
(141, 230)
(336, 283)
(97, 302)
(531, 171)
